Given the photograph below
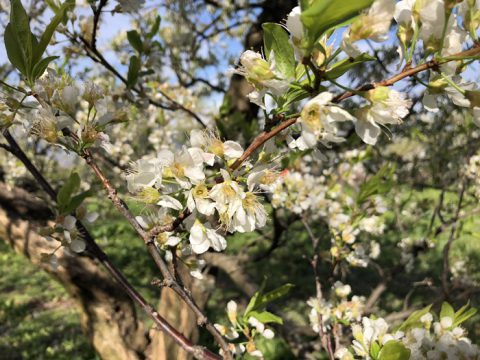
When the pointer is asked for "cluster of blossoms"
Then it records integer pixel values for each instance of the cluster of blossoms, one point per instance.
(337, 310)
(320, 118)
(85, 112)
(263, 75)
(249, 327)
(202, 180)
(66, 232)
(329, 197)
(417, 338)
(443, 26)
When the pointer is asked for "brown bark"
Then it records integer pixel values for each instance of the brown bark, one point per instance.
(107, 315)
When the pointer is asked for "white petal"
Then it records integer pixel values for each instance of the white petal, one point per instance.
(321, 99)
(200, 248)
(430, 103)
(338, 114)
(197, 138)
(232, 150)
(170, 202)
(256, 97)
(141, 221)
(268, 334)
(91, 217)
(367, 131)
(173, 240)
(69, 222)
(293, 23)
(165, 157)
(78, 245)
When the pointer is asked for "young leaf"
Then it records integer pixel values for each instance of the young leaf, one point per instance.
(394, 350)
(325, 14)
(341, 67)
(68, 189)
(273, 295)
(304, 4)
(380, 183)
(460, 319)
(277, 44)
(60, 14)
(374, 349)
(135, 40)
(154, 29)
(447, 311)
(266, 317)
(15, 52)
(414, 319)
(295, 95)
(133, 69)
(252, 304)
(76, 201)
(41, 66)
(21, 28)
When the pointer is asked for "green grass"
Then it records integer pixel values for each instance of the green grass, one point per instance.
(37, 318)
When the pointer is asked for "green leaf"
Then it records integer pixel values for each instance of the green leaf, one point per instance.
(378, 184)
(154, 29)
(252, 303)
(322, 15)
(68, 189)
(394, 350)
(76, 201)
(135, 40)
(447, 311)
(464, 317)
(374, 349)
(295, 95)
(342, 66)
(276, 41)
(15, 53)
(133, 69)
(266, 317)
(304, 4)
(41, 66)
(21, 27)
(414, 319)
(49, 31)
(273, 295)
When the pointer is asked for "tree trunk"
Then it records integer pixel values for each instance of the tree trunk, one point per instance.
(108, 316)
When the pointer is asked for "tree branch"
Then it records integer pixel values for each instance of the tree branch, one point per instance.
(168, 279)
(162, 324)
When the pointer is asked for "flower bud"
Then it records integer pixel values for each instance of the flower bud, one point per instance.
(256, 68)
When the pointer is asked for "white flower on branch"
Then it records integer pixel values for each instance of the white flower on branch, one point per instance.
(318, 119)
(374, 25)
(387, 107)
(202, 237)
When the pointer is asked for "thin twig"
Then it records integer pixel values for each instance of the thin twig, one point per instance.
(96, 55)
(324, 337)
(168, 279)
(197, 351)
(432, 64)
